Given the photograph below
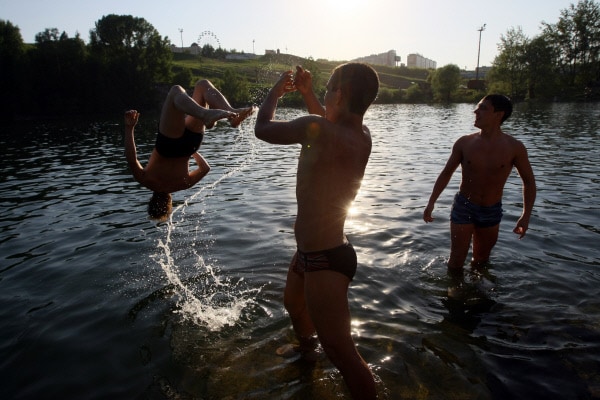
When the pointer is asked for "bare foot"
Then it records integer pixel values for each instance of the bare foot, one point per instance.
(242, 114)
(211, 116)
(293, 350)
(288, 350)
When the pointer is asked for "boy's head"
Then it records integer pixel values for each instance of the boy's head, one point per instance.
(359, 84)
(160, 206)
(500, 103)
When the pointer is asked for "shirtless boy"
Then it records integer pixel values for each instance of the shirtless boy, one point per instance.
(486, 159)
(182, 123)
(335, 150)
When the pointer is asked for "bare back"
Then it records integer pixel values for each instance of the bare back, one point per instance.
(330, 171)
(486, 164)
(167, 175)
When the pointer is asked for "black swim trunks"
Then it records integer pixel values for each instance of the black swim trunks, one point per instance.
(341, 259)
(183, 146)
(465, 212)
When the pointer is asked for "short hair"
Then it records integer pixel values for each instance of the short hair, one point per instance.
(160, 206)
(359, 82)
(500, 103)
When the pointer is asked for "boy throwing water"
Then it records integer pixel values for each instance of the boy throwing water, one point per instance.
(335, 150)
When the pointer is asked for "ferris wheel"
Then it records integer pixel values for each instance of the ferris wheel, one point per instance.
(208, 37)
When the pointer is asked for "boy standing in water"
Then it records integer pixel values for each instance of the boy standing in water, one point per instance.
(486, 158)
(335, 150)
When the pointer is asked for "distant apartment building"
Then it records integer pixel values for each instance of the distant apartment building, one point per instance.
(389, 59)
(418, 61)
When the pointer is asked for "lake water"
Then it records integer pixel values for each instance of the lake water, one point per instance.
(98, 302)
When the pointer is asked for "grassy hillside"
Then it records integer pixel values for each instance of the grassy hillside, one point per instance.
(263, 71)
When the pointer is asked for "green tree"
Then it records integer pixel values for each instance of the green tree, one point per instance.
(220, 53)
(130, 58)
(12, 63)
(576, 38)
(183, 77)
(208, 51)
(509, 66)
(541, 71)
(57, 65)
(445, 81)
(416, 94)
(388, 96)
(235, 88)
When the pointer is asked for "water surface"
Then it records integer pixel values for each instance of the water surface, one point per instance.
(99, 302)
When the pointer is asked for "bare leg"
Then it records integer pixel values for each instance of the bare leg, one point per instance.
(177, 104)
(460, 241)
(484, 240)
(327, 300)
(295, 304)
(209, 96)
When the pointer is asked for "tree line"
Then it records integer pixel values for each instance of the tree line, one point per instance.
(561, 63)
(127, 60)
(120, 67)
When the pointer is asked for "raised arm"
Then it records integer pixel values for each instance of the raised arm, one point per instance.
(442, 180)
(131, 119)
(303, 82)
(278, 132)
(529, 190)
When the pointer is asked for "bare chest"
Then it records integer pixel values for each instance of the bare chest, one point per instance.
(488, 158)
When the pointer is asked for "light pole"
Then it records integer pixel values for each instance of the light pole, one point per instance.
(479, 51)
(181, 33)
(253, 52)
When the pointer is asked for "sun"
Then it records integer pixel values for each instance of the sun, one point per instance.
(343, 6)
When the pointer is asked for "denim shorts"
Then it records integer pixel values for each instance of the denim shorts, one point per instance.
(465, 212)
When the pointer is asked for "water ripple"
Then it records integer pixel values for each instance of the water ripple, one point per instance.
(94, 292)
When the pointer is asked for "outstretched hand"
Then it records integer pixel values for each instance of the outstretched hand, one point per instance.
(131, 118)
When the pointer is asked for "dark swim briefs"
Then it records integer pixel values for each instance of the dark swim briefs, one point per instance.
(183, 146)
(465, 212)
(340, 259)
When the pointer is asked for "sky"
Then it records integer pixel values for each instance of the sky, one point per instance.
(446, 31)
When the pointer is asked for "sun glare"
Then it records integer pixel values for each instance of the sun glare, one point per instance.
(343, 6)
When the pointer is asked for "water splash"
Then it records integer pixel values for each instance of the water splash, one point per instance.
(207, 298)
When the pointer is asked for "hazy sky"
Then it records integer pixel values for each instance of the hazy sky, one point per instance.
(445, 31)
